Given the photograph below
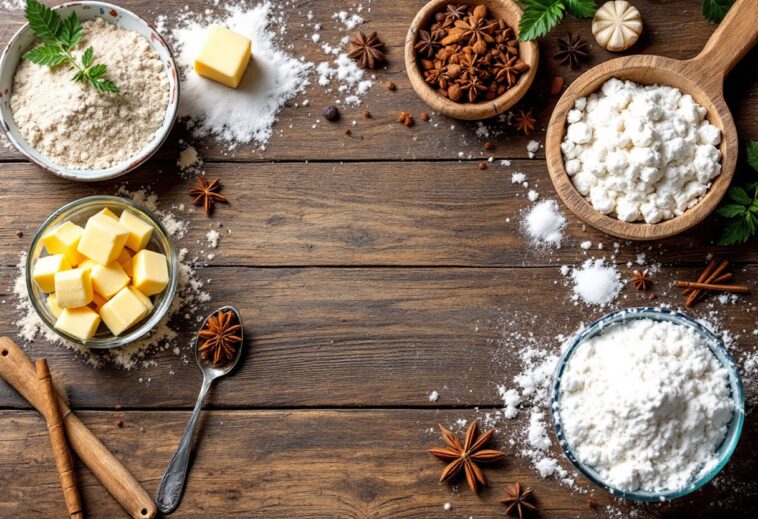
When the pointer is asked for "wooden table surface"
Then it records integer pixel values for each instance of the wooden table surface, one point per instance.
(370, 270)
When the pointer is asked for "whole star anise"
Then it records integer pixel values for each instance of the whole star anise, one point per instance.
(641, 279)
(466, 456)
(508, 69)
(221, 338)
(525, 122)
(427, 43)
(455, 12)
(207, 194)
(516, 499)
(368, 52)
(572, 50)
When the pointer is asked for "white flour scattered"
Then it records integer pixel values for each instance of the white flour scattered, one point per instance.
(350, 21)
(544, 223)
(66, 120)
(247, 113)
(189, 162)
(596, 283)
(646, 404)
(351, 78)
(13, 5)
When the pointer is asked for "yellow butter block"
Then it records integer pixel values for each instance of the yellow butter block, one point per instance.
(124, 258)
(139, 230)
(73, 288)
(123, 311)
(64, 239)
(81, 322)
(146, 301)
(128, 268)
(52, 304)
(88, 264)
(107, 212)
(224, 57)
(97, 301)
(108, 280)
(149, 272)
(45, 270)
(103, 239)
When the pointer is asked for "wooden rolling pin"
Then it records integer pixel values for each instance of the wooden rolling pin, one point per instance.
(19, 372)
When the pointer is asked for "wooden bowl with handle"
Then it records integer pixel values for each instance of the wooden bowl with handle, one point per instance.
(528, 53)
(703, 78)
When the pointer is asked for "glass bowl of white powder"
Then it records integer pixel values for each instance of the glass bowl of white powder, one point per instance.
(647, 404)
(69, 128)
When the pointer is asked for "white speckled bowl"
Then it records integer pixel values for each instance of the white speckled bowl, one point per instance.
(122, 19)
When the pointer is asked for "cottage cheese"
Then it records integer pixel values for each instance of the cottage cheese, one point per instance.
(640, 152)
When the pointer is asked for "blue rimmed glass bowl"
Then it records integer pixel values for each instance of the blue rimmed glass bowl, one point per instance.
(716, 346)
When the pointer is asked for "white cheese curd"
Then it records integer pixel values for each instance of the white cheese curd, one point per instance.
(640, 152)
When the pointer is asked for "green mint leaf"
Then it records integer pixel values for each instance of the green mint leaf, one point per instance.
(104, 85)
(87, 57)
(752, 154)
(97, 71)
(581, 8)
(715, 10)
(539, 17)
(45, 22)
(736, 232)
(731, 210)
(71, 32)
(46, 54)
(79, 76)
(739, 195)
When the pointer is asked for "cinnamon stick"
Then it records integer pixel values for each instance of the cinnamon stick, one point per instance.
(738, 289)
(52, 415)
(712, 275)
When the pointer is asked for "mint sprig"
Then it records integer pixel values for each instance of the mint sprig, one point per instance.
(540, 16)
(715, 10)
(59, 37)
(742, 208)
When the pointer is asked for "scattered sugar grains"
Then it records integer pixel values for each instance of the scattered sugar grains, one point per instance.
(596, 283)
(247, 113)
(190, 298)
(544, 223)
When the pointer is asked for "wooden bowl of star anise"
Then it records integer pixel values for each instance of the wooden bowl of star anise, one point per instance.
(464, 60)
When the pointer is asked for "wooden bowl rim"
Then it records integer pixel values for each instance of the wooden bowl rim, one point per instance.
(581, 207)
(468, 111)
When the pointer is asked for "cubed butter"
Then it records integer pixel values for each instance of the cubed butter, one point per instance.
(52, 304)
(97, 301)
(224, 56)
(109, 213)
(87, 264)
(81, 322)
(124, 258)
(45, 270)
(73, 288)
(146, 301)
(64, 239)
(149, 272)
(103, 239)
(108, 280)
(139, 230)
(123, 311)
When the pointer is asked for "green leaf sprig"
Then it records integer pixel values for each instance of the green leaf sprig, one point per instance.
(742, 208)
(59, 37)
(540, 16)
(715, 10)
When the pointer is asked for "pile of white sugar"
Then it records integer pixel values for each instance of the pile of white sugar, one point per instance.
(640, 152)
(544, 224)
(646, 404)
(76, 126)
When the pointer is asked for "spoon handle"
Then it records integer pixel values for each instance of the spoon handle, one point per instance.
(172, 485)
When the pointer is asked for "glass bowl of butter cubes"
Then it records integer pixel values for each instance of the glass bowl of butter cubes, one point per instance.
(102, 272)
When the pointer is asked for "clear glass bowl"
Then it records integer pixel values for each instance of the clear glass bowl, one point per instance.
(718, 349)
(78, 212)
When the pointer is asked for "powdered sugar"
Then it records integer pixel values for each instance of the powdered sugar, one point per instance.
(544, 223)
(596, 283)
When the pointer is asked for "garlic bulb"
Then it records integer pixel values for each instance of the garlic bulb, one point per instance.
(616, 25)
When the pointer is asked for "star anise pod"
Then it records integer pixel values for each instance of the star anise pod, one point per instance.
(207, 194)
(221, 338)
(525, 122)
(367, 51)
(516, 499)
(455, 12)
(572, 50)
(507, 70)
(472, 66)
(476, 31)
(426, 43)
(436, 74)
(641, 279)
(472, 86)
(466, 456)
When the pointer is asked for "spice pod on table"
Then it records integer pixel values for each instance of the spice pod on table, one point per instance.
(464, 59)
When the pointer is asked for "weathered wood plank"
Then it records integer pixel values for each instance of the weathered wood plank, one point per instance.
(678, 36)
(294, 214)
(364, 337)
(337, 464)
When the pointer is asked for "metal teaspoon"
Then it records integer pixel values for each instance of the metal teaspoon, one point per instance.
(171, 488)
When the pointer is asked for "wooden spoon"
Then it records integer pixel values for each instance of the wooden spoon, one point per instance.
(703, 78)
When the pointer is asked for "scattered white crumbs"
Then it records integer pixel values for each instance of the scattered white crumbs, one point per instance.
(596, 283)
(434, 396)
(544, 223)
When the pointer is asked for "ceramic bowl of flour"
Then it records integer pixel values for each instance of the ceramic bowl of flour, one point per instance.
(663, 411)
(125, 20)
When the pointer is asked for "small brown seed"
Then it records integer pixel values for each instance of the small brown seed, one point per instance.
(348, 131)
(19, 234)
(557, 85)
(390, 85)
(331, 113)
(367, 114)
(424, 116)
(119, 423)
(489, 146)
(482, 166)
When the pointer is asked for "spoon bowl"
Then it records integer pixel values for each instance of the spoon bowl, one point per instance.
(703, 78)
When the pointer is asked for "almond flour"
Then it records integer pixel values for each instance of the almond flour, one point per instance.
(72, 124)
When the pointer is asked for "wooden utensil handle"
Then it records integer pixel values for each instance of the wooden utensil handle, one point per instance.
(19, 372)
(733, 38)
